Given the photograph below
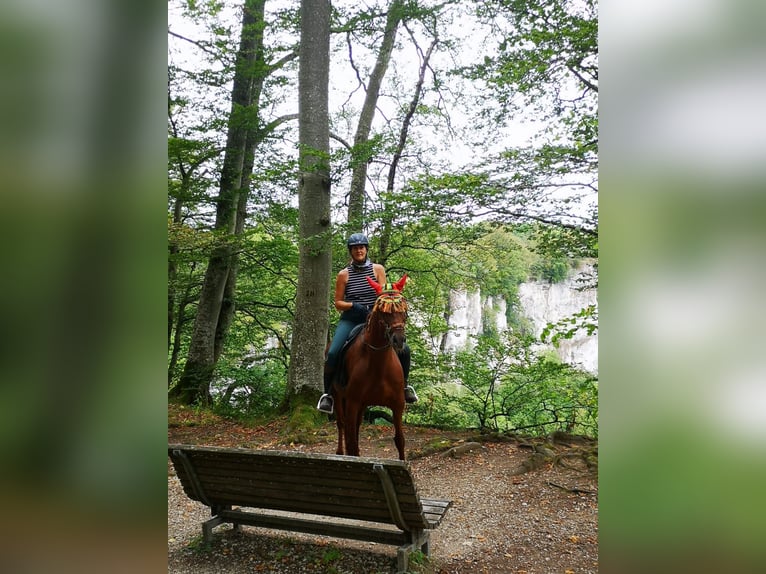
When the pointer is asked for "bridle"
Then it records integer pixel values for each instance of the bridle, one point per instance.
(390, 329)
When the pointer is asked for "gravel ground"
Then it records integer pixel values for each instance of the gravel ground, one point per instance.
(500, 521)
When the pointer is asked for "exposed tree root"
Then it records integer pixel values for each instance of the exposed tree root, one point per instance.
(460, 449)
(574, 489)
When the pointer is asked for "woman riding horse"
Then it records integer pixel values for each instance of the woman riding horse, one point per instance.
(372, 370)
(354, 297)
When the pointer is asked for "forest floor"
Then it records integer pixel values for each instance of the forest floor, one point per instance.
(520, 505)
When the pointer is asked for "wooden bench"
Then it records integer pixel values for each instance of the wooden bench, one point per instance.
(369, 492)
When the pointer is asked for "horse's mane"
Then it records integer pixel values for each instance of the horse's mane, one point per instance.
(390, 302)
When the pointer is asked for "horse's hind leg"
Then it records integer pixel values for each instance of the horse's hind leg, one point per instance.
(339, 422)
(359, 419)
(339, 449)
(398, 432)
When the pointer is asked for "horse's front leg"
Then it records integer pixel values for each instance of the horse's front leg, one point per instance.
(352, 430)
(357, 428)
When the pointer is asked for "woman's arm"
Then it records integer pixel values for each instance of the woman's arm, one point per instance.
(380, 273)
(340, 291)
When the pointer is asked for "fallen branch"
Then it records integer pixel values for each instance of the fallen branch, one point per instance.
(574, 489)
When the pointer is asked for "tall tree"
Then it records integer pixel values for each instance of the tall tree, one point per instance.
(194, 383)
(385, 234)
(362, 151)
(315, 245)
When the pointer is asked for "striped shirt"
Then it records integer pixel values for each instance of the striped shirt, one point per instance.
(357, 288)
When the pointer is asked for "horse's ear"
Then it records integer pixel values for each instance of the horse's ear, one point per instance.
(375, 285)
(399, 285)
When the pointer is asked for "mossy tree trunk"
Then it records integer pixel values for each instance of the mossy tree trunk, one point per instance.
(194, 383)
(315, 246)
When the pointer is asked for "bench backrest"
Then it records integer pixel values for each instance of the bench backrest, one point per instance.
(329, 485)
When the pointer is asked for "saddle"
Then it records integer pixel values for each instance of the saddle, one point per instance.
(341, 378)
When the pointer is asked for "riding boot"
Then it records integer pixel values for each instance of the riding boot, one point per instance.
(325, 403)
(410, 396)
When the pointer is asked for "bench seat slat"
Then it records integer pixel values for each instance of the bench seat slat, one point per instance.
(434, 510)
(379, 513)
(351, 481)
(304, 489)
(278, 496)
(366, 534)
(297, 473)
(273, 493)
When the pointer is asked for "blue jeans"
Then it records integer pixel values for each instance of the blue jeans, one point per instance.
(341, 334)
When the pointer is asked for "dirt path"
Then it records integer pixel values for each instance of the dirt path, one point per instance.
(503, 519)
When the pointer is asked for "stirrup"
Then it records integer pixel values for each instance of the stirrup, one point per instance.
(410, 396)
(325, 404)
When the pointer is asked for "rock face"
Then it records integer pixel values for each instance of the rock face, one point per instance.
(465, 319)
(541, 303)
(544, 303)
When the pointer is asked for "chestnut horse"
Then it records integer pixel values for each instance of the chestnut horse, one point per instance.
(373, 372)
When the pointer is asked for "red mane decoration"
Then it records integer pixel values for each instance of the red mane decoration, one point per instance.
(398, 286)
(390, 298)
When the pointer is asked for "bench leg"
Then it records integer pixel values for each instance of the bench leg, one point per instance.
(403, 558)
(419, 543)
(207, 528)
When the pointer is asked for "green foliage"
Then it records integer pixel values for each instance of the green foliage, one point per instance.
(487, 226)
(199, 546)
(249, 387)
(418, 563)
(560, 242)
(505, 386)
(547, 42)
(438, 408)
(545, 67)
(552, 270)
(584, 320)
(331, 555)
(500, 260)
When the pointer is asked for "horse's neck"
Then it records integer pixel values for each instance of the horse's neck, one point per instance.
(375, 332)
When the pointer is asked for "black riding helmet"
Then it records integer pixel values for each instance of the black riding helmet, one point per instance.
(353, 241)
(357, 239)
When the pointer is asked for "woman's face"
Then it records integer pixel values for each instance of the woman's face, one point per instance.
(359, 253)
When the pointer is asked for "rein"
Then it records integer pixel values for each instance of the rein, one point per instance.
(374, 348)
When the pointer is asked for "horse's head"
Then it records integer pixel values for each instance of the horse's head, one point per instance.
(390, 310)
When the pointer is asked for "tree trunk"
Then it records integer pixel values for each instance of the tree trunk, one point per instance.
(229, 302)
(315, 248)
(178, 329)
(172, 266)
(385, 235)
(253, 138)
(194, 384)
(362, 155)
